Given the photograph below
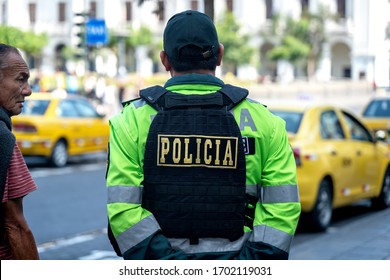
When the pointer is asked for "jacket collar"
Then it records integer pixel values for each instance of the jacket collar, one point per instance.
(4, 117)
(205, 79)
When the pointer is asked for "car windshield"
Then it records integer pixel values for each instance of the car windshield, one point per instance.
(378, 108)
(292, 119)
(35, 107)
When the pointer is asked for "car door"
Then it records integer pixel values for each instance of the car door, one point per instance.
(339, 156)
(365, 150)
(95, 126)
(73, 126)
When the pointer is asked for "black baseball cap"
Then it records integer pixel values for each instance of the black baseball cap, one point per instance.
(191, 28)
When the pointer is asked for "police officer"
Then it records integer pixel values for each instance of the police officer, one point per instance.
(197, 170)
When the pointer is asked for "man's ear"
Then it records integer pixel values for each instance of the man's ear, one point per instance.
(165, 61)
(220, 54)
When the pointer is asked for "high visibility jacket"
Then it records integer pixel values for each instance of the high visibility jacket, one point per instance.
(270, 180)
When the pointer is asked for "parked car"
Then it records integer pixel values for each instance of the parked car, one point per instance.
(339, 162)
(57, 127)
(376, 116)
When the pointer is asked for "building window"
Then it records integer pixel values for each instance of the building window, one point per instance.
(32, 12)
(129, 11)
(229, 5)
(61, 12)
(3, 13)
(305, 5)
(92, 9)
(269, 9)
(341, 8)
(194, 5)
(160, 10)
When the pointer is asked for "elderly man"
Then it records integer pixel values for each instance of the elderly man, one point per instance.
(17, 240)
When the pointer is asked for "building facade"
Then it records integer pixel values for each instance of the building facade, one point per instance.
(357, 46)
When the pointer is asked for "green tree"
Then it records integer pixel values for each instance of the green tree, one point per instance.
(134, 37)
(299, 41)
(30, 42)
(140, 37)
(237, 49)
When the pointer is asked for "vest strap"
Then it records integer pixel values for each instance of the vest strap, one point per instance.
(153, 94)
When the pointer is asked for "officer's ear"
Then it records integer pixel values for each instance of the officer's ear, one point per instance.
(165, 61)
(220, 54)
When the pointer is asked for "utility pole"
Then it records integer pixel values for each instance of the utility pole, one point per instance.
(79, 30)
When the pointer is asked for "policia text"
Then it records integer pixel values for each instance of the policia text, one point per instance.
(197, 150)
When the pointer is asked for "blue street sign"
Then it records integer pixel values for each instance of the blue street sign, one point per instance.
(96, 32)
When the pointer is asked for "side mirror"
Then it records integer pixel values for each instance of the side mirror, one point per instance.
(381, 135)
(101, 115)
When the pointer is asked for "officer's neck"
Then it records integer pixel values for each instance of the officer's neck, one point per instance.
(201, 71)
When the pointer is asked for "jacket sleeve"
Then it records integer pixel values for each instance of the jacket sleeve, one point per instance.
(135, 229)
(278, 208)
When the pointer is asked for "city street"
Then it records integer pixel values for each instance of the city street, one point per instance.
(68, 211)
(68, 217)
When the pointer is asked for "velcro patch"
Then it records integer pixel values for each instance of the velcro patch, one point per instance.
(249, 145)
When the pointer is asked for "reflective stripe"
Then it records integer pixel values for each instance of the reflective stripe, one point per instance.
(274, 194)
(279, 194)
(126, 194)
(253, 101)
(139, 103)
(272, 236)
(207, 245)
(252, 190)
(137, 233)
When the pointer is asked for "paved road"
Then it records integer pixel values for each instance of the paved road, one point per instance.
(366, 238)
(363, 237)
(358, 233)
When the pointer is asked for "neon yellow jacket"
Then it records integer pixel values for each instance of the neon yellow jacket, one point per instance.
(270, 177)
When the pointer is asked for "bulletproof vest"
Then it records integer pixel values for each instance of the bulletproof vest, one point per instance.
(194, 164)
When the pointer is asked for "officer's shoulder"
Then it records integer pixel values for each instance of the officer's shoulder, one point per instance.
(253, 104)
(128, 102)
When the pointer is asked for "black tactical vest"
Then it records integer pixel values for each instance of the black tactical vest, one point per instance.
(194, 166)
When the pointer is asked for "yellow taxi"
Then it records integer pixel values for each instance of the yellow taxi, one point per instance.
(57, 126)
(376, 116)
(338, 161)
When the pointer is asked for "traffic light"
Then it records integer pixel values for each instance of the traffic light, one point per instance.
(79, 32)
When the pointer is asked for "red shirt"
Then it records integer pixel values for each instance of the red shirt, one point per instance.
(18, 184)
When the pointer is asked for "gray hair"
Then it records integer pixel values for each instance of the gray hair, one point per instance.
(5, 50)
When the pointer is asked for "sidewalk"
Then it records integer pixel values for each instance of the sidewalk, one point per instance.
(365, 239)
(350, 95)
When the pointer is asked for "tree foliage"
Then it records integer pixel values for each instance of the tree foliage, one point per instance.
(237, 48)
(134, 37)
(299, 40)
(140, 37)
(29, 42)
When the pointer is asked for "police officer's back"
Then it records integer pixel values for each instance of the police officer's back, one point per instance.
(196, 169)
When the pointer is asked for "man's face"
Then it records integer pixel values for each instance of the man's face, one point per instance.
(14, 85)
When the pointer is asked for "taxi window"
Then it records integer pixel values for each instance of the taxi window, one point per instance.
(358, 132)
(85, 109)
(292, 119)
(67, 109)
(77, 108)
(330, 126)
(378, 108)
(35, 107)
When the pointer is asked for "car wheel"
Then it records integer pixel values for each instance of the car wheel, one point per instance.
(59, 155)
(321, 216)
(383, 200)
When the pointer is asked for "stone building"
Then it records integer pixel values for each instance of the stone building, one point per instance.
(358, 45)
